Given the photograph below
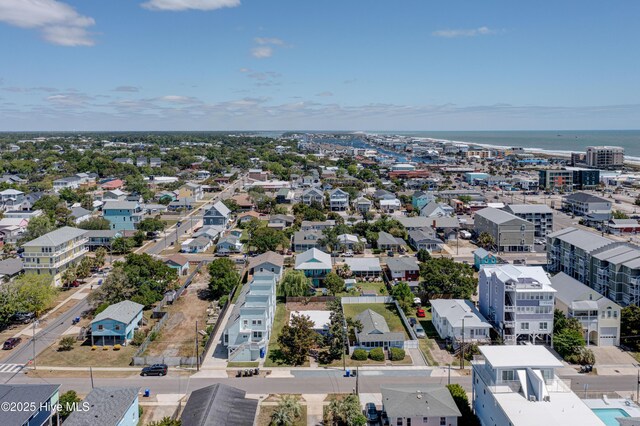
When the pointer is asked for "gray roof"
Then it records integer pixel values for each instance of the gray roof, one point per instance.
(108, 406)
(123, 312)
(57, 237)
(102, 233)
(11, 266)
(78, 212)
(419, 401)
(447, 222)
(219, 405)
(363, 264)
(386, 238)
(583, 197)
(424, 236)
(120, 205)
(457, 310)
(570, 290)
(414, 222)
(375, 328)
(528, 208)
(402, 264)
(220, 207)
(498, 216)
(584, 240)
(268, 257)
(23, 394)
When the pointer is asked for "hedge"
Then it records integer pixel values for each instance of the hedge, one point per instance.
(359, 355)
(396, 354)
(376, 354)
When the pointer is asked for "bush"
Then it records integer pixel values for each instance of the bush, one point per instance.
(396, 354)
(376, 354)
(359, 355)
(224, 299)
(138, 338)
(106, 348)
(117, 347)
(66, 344)
(153, 336)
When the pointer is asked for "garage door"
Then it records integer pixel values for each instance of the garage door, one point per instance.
(608, 336)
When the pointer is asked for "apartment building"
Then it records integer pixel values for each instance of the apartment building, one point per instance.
(518, 385)
(518, 301)
(555, 180)
(598, 315)
(605, 157)
(510, 233)
(54, 252)
(539, 214)
(583, 204)
(609, 267)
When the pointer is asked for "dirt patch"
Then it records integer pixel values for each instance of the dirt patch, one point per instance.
(311, 306)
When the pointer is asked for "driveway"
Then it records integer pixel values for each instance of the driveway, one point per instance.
(612, 356)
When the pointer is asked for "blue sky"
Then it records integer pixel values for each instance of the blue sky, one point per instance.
(294, 64)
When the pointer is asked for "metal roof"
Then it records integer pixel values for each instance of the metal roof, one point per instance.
(499, 216)
(529, 208)
(57, 237)
(123, 312)
(584, 240)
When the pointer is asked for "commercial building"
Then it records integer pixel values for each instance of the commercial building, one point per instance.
(509, 232)
(518, 386)
(555, 180)
(518, 301)
(605, 157)
(539, 214)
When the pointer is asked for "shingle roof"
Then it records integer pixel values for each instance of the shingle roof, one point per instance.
(419, 401)
(23, 394)
(57, 237)
(583, 197)
(270, 257)
(219, 405)
(11, 266)
(108, 406)
(313, 259)
(123, 312)
(364, 264)
(385, 238)
(120, 205)
(455, 310)
(414, 222)
(375, 328)
(177, 259)
(402, 264)
(220, 208)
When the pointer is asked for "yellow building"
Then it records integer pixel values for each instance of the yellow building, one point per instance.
(52, 253)
(191, 190)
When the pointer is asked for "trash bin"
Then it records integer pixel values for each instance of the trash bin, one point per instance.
(347, 373)
(147, 393)
(262, 353)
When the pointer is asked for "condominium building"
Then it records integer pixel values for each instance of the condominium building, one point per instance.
(609, 267)
(518, 301)
(518, 386)
(604, 157)
(510, 233)
(552, 180)
(539, 214)
(583, 204)
(54, 252)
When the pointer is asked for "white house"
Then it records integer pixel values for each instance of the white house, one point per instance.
(419, 405)
(453, 317)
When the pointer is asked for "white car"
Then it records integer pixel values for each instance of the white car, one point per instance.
(417, 301)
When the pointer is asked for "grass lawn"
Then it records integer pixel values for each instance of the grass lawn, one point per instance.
(274, 356)
(82, 356)
(375, 286)
(242, 364)
(425, 347)
(388, 311)
(264, 416)
(353, 363)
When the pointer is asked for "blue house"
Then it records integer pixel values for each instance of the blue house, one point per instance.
(315, 264)
(419, 199)
(117, 323)
(110, 406)
(123, 215)
(483, 257)
(37, 402)
(216, 214)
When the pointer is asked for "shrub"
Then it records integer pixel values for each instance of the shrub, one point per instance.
(376, 354)
(153, 336)
(101, 307)
(396, 354)
(359, 355)
(117, 347)
(106, 348)
(66, 344)
(223, 300)
(138, 338)
(94, 348)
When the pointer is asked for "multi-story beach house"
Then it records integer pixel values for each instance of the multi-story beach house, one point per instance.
(509, 232)
(583, 204)
(539, 214)
(312, 195)
(122, 215)
(338, 200)
(217, 214)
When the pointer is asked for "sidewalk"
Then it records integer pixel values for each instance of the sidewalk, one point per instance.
(216, 357)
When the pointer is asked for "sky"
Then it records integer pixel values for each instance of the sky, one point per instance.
(407, 65)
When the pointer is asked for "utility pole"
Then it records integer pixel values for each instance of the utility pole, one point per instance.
(197, 358)
(357, 380)
(449, 374)
(34, 344)
(91, 374)
(462, 348)
(638, 387)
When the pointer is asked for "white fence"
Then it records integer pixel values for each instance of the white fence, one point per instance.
(350, 300)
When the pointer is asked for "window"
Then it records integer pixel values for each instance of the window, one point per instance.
(399, 421)
(508, 375)
(524, 326)
(443, 421)
(408, 421)
(425, 420)
(100, 327)
(543, 326)
(117, 327)
(615, 314)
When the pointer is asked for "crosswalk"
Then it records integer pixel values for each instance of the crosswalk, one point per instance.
(10, 368)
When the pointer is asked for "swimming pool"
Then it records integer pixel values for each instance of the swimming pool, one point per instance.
(608, 415)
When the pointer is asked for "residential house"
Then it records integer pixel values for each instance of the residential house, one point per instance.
(312, 195)
(101, 238)
(123, 160)
(80, 214)
(179, 263)
(217, 214)
(305, 240)
(229, 244)
(219, 405)
(363, 204)
(389, 206)
(375, 332)
(141, 162)
(191, 190)
(315, 264)
(518, 385)
(483, 257)
(196, 245)
(184, 204)
(267, 262)
(539, 214)
(387, 241)
(247, 216)
(117, 323)
(108, 406)
(621, 226)
(338, 200)
(12, 199)
(364, 267)
(37, 403)
(112, 184)
(403, 269)
(285, 196)
(11, 268)
(594, 208)
(280, 221)
(249, 326)
(413, 405)
(12, 229)
(155, 162)
(453, 318)
(209, 231)
(425, 239)
(122, 215)
(22, 214)
(518, 301)
(79, 180)
(308, 225)
(435, 209)
(54, 252)
(419, 199)
(598, 315)
(203, 174)
(114, 195)
(509, 232)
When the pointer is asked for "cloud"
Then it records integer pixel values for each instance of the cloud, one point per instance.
(58, 22)
(262, 52)
(14, 89)
(176, 99)
(473, 32)
(269, 40)
(325, 94)
(127, 89)
(179, 5)
(70, 99)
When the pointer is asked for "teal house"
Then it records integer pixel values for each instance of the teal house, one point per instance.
(117, 323)
(483, 257)
(122, 215)
(315, 264)
(421, 199)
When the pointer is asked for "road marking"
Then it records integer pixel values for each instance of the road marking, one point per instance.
(10, 368)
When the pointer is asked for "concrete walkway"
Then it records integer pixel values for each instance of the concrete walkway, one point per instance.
(315, 408)
(216, 357)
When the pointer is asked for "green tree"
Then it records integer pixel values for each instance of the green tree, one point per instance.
(223, 277)
(486, 241)
(66, 343)
(617, 214)
(116, 288)
(35, 293)
(423, 255)
(334, 338)
(69, 275)
(37, 227)
(151, 224)
(345, 412)
(121, 245)
(287, 411)
(268, 239)
(334, 283)
(67, 401)
(294, 284)
(95, 224)
(444, 276)
(403, 294)
(296, 339)
(84, 267)
(459, 395)
(100, 257)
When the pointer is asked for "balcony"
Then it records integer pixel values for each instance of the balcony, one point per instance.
(509, 308)
(509, 324)
(59, 264)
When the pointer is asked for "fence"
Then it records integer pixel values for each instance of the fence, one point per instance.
(312, 299)
(157, 310)
(218, 324)
(154, 330)
(366, 299)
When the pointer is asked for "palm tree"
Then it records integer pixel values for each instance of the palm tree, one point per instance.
(287, 411)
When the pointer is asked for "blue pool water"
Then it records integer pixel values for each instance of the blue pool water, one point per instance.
(608, 415)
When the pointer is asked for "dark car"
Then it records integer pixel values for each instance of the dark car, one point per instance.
(11, 343)
(24, 317)
(372, 412)
(412, 321)
(155, 370)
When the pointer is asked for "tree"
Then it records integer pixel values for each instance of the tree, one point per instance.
(617, 214)
(34, 292)
(67, 401)
(84, 267)
(630, 327)
(423, 255)
(69, 275)
(330, 239)
(287, 412)
(403, 294)
(445, 276)
(334, 283)
(459, 396)
(296, 339)
(294, 284)
(486, 241)
(567, 342)
(166, 421)
(151, 224)
(345, 412)
(223, 277)
(116, 288)
(334, 338)
(121, 245)
(100, 257)
(66, 343)
(37, 227)
(95, 224)
(268, 239)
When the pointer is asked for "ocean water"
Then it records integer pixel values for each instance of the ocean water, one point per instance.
(548, 140)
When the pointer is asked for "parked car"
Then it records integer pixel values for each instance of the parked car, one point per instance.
(420, 313)
(417, 301)
(419, 331)
(24, 317)
(348, 253)
(155, 370)
(372, 412)
(412, 321)
(11, 343)
(390, 253)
